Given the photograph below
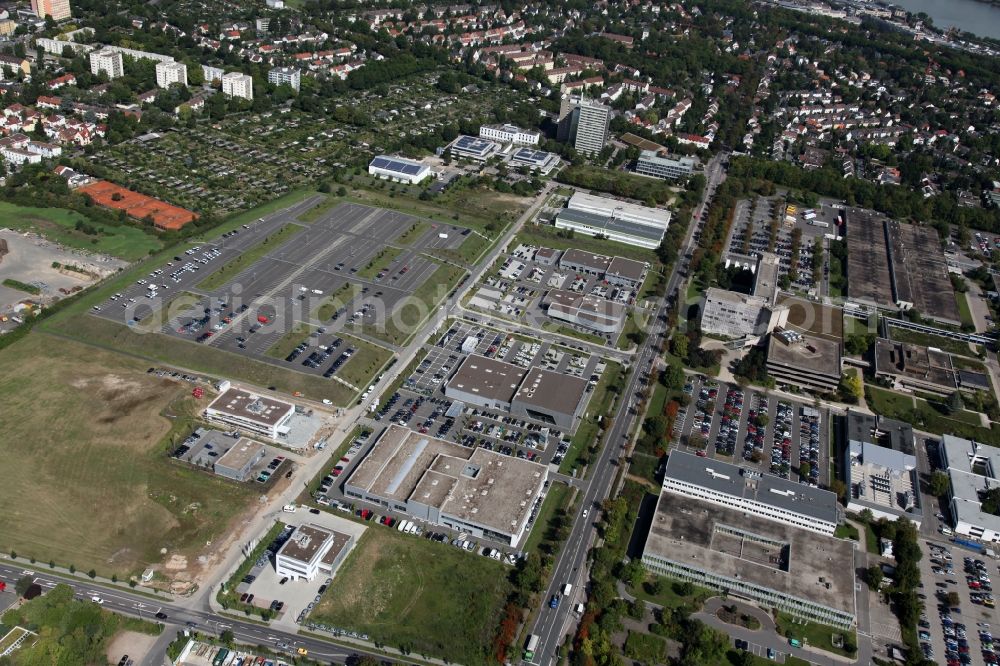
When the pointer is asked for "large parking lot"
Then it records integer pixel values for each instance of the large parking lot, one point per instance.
(354, 268)
(780, 436)
(959, 614)
(421, 405)
(756, 215)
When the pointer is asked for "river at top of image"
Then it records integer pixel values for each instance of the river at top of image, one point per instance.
(979, 18)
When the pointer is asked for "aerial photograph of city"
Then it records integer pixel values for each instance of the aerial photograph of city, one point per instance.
(523, 333)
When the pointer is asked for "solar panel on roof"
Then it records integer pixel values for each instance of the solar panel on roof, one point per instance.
(398, 166)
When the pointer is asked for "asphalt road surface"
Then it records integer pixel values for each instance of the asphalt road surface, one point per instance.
(551, 625)
(178, 618)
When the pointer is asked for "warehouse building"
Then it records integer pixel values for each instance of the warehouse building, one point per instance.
(583, 262)
(811, 363)
(312, 550)
(589, 312)
(239, 459)
(398, 169)
(466, 147)
(650, 163)
(487, 382)
(618, 271)
(617, 220)
(253, 413)
(748, 491)
(972, 470)
(881, 464)
(471, 490)
(746, 556)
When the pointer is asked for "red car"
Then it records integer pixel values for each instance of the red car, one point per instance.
(701, 454)
(337, 471)
(345, 459)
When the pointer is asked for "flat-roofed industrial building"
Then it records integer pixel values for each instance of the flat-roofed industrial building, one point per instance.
(250, 412)
(398, 169)
(973, 469)
(494, 384)
(747, 556)
(620, 221)
(880, 462)
(473, 148)
(472, 490)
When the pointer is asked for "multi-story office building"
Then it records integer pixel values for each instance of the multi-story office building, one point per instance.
(169, 73)
(264, 416)
(735, 315)
(235, 84)
(282, 75)
(973, 470)
(57, 9)
(107, 61)
(652, 164)
(312, 550)
(510, 134)
(749, 491)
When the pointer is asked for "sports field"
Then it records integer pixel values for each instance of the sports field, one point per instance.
(85, 479)
(430, 598)
(59, 226)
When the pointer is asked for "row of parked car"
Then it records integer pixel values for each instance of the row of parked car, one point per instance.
(809, 432)
(781, 449)
(729, 429)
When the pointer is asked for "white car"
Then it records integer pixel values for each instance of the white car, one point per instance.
(96, 599)
(327, 401)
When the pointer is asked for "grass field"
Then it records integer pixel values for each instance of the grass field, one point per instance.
(407, 592)
(289, 341)
(537, 234)
(669, 594)
(59, 226)
(197, 357)
(416, 230)
(928, 340)
(556, 498)
(379, 262)
(645, 648)
(86, 481)
(816, 635)
(247, 259)
(365, 363)
(600, 404)
(468, 252)
(964, 311)
(907, 408)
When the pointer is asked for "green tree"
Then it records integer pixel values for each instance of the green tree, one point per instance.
(22, 585)
(954, 403)
(679, 346)
(873, 576)
(673, 377)
(227, 636)
(939, 484)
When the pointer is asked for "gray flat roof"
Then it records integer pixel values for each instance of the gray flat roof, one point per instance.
(474, 485)
(304, 543)
(598, 262)
(627, 268)
(551, 391)
(814, 355)
(729, 479)
(605, 223)
(490, 378)
(817, 568)
(241, 452)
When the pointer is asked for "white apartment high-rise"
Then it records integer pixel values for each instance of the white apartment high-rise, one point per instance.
(289, 75)
(107, 61)
(169, 73)
(57, 9)
(235, 84)
(589, 126)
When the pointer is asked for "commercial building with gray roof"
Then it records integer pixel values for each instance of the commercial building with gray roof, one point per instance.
(541, 395)
(747, 490)
(973, 469)
(237, 462)
(879, 459)
(809, 362)
(619, 220)
(477, 491)
(748, 556)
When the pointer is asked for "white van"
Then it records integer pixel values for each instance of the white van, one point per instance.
(567, 588)
(403, 524)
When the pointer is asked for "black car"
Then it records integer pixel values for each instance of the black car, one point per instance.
(161, 616)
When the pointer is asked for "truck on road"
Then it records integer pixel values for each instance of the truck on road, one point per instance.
(529, 647)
